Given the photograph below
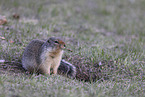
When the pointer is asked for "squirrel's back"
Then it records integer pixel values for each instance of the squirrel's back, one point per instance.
(30, 55)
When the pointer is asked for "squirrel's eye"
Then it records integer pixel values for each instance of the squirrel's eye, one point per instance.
(48, 41)
(56, 41)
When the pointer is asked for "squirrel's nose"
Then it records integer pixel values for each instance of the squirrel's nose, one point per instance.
(62, 46)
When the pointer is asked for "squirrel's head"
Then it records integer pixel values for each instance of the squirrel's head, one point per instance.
(56, 43)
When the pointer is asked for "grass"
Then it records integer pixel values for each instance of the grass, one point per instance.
(106, 32)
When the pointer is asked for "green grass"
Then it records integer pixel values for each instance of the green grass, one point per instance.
(95, 30)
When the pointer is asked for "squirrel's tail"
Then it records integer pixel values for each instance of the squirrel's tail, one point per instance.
(67, 69)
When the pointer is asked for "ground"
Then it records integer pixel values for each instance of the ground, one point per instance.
(106, 39)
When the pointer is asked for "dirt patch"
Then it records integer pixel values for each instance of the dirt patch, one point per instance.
(11, 67)
(86, 71)
(89, 71)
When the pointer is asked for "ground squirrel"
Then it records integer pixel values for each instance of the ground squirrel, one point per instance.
(40, 56)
